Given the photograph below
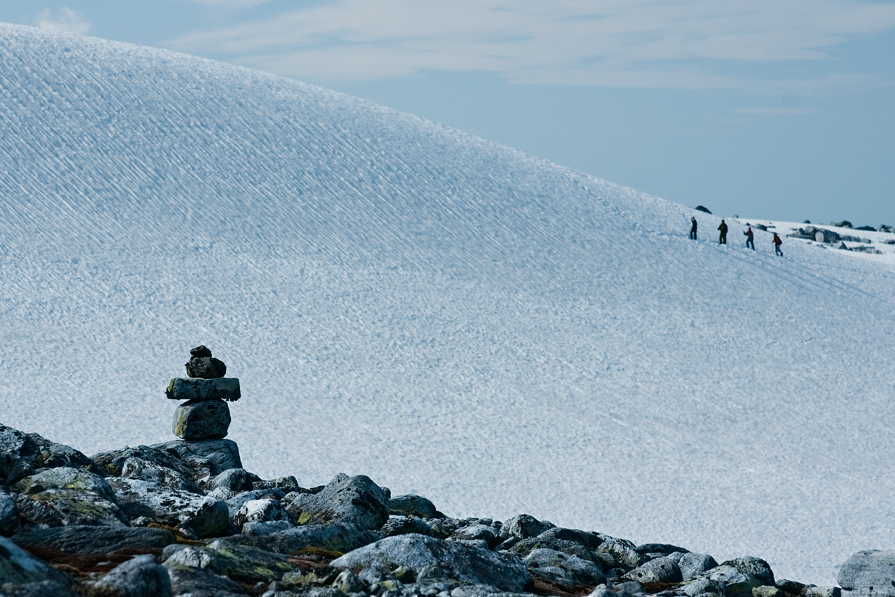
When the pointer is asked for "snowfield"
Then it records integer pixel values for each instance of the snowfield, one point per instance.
(448, 316)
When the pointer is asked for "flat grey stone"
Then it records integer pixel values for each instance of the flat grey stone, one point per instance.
(19, 566)
(67, 496)
(413, 505)
(205, 459)
(341, 538)
(564, 569)
(201, 419)
(93, 539)
(194, 388)
(9, 514)
(350, 500)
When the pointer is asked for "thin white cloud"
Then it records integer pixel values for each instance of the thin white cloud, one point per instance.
(229, 3)
(776, 111)
(64, 19)
(645, 43)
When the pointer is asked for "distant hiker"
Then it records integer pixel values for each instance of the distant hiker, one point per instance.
(777, 242)
(750, 238)
(693, 229)
(723, 229)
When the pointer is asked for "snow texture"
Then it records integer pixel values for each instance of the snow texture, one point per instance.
(453, 318)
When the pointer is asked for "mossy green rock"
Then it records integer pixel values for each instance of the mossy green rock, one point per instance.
(202, 419)
(77, 497)
(241, 563)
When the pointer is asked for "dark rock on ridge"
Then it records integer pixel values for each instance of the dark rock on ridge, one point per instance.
(193, 388)
(23, 454)
(200, 351)
(138, 577)
(205, 368)
(344, 499)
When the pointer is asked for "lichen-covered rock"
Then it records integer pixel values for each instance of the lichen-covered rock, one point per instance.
(241, 563)
(453, 560)
(766, 591)
(413, 505)
(350, 500)
(76, 496)
(205, 459)
(564, 569)
(24, 454)
(618, 553)
(403, 525)
(524, 526)
(663, 570)
(287, 484)
(112, 462)
(264, 510)
(651, 551)
(138, 577)
(9, 514)
(19, 566)
(821, 592)
(206, 368)
(201, 419)
(524, 547)
(92, 539)
(336, 538)
(869, 573)
(202, 515)
(194, 388)
(234, 503)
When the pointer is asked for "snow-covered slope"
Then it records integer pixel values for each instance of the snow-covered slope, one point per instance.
(451, 317)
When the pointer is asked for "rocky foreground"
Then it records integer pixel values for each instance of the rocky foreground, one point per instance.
(184, 518)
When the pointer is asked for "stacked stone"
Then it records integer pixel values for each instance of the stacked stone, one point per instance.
(205, 414)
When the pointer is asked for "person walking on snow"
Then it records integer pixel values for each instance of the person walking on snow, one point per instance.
(750, 238)
(723, 229)
(693, 228)
(777, 242)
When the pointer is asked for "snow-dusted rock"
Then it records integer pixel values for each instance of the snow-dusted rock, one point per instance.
(204, 459)
(138, 577)
(351, 500)
(93, 539)
(193, 388)
(562, 568)
(452, 560)
(868, 573)
(263, 510)
(201, 419)
(234, 503)
(413, 505)
(153, 472)
(67, 496)
(725, 580)
(203, 515)
(618, 553)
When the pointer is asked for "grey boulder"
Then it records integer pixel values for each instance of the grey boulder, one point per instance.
(725, 580)
(138, 577)
(564, 569)
(263, 510)
(870, 572)
(403, 525)
(413, 505)
(478, 532)
(755, 567)
(206, 367)
(195, 582)
(524, 526)
(192, 388)
(657, 570)
(148, 470)
(694, 564)
(351, 500)
(204, 459)
(65, 496)
(201, 419)
(242, 563)
(450, 560)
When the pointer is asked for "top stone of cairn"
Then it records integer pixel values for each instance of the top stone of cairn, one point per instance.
(202, 365)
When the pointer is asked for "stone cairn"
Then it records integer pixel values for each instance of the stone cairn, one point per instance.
(205, 414)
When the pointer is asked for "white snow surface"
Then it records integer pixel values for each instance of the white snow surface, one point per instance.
(451, 317)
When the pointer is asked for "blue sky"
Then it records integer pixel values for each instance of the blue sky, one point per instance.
(780, 109)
